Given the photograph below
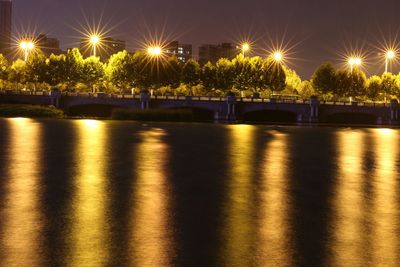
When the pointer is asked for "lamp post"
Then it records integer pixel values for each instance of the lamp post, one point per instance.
(94, 41)
(26, 47)
(155, 52)
(390, 54)
(245, 48)
(354, 62)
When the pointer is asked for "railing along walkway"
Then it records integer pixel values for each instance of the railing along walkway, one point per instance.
(194, 98)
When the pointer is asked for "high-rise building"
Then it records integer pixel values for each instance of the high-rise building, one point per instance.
(213, 52)
(48, 45)
(183, 52)
(105, 49)
(5, 26)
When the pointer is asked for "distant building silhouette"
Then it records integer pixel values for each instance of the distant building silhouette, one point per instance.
(48, 45)
(214, 52)
(183, 52)
(107, 47)
(5, 26)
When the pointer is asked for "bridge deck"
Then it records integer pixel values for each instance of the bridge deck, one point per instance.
(193, 98)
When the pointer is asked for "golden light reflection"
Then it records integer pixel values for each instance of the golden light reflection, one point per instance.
(238, 230)
(89, 233)
(151, 243)
(21, 212)
(274, 235)
(347, 248)
(385, 239)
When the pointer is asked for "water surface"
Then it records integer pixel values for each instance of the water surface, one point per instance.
(105, 193)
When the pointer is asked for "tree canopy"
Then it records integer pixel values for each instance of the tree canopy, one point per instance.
(125, 72)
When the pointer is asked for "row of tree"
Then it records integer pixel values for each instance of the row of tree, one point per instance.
(124, 71)
(332, 83)
(139, 71)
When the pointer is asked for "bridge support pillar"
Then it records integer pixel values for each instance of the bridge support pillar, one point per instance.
(231, 111)
(144, 100)
(394, 112)
(55, 96)
(314, 109)
(188, 100)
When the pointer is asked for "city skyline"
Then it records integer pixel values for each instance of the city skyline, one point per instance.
(292, 24)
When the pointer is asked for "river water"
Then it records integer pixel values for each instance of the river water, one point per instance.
(106, 193)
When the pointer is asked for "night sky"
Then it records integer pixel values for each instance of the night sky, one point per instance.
(316, 30)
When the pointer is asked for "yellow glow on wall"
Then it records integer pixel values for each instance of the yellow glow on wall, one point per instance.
(151, 243)
(21, 217)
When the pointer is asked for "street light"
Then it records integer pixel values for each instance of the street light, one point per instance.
(278, 56)
(26, 46)
(390, 54)
(245, 48)
(94, 41)
(354, 61)
(154, 51)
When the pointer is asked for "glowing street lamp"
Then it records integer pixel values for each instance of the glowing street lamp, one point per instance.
(354, 61)
(390, 54)
(94, 41)
(26, 46)
(245, 47)
(277, 56)
(154, 51)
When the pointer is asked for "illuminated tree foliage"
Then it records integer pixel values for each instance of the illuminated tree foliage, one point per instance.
(373, 91)
(93, 72)
(293, 81)
(54, 71)
(275, 75)
(125, 72)
(36, 68)
(209, 76)
(324, 79)
(350, 84)
(243, 73)
(120, 70)
(191, 72)
(389, 84)
(18, 73)
(224, 74)
(306, 90)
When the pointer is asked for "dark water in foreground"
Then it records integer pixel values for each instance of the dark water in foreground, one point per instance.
(101, 193)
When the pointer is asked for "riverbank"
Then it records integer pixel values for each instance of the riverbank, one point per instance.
(30, 111)
(156, 115)
(161, 115)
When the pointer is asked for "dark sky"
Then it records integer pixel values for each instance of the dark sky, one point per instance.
(315, 30)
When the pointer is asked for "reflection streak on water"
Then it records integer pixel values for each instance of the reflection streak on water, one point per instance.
(347, 237)
(151, 243)
(274, 248)
(89, 235)
(238, 207)
(385, 187)
(22, 219)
